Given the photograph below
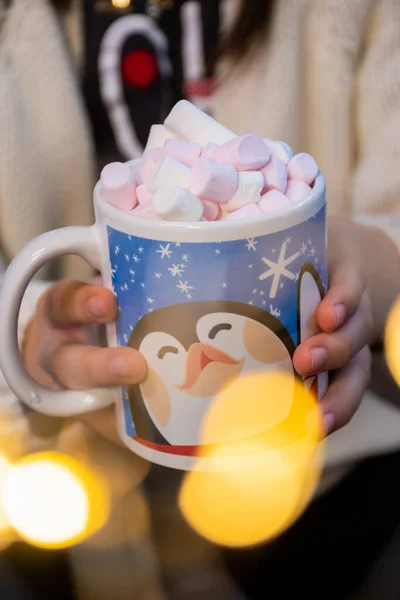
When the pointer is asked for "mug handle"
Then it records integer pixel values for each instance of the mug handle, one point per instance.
(85, 242)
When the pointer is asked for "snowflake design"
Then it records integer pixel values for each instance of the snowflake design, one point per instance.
(184, 287)
(303, 248)
(251, 266)
(164, 251)
(262, 293)
(117, 250)
(132, 272)
(251, 244)
(217, 251)
(255, 291)
(177, 244)
(251, 302)
(142, 284)
(288, 240)
(296, 275)
(275, 312)
(150, 309)
(185, 257)
(150, 300)
(224, 285)
(140, 249)
(176, 270)
(312, 252)
(273, 250)
(125, 338)
(135, 258)
(131, 327)
(127, 257)
(278, 269)
(158, 275)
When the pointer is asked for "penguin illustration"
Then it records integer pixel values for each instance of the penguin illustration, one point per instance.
(195, 350)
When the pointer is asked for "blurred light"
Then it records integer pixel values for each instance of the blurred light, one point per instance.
(53, 501)
(392, 341)
(4, 469)
(121, 3)
(252, 489)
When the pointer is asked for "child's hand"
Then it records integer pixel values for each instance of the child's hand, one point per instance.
(59, 345)
(345, 318)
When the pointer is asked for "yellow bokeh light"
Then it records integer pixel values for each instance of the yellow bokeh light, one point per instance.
(392, 341)
(53, 501)
(258, 485)
(4, 469)
(121, 3)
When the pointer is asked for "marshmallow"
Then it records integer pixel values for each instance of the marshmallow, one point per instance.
(144, 195)
(147, 165)
(145, 211)
(185, 152)
(158, 136)
(302, 166)
(296, 190)
(275, 175)
(169, 172)
(246, 153)
(245, 212)
(211, 210)
(251, 184)
(273, 201)
(118, 186)
(213, 180)
(173, 203)
(279, 149)
(210, 150)
(190, 123)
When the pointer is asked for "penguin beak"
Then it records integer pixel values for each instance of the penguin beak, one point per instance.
(199, 357)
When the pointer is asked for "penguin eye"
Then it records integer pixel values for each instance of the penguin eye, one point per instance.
(165, 350)
(217, 328)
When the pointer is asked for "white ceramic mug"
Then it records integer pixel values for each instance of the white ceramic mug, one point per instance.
(201, 301)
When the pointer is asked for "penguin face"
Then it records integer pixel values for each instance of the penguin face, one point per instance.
(194, 351)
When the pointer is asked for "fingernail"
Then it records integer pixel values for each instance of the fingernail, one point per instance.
(94, 306)
(118, 366)
(319, 357)
(341, 314)
(330, 421)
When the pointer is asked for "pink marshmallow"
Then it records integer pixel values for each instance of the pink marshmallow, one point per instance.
(147, 165)
(118, 186)
(145, 211)
(275, 175)
(212, 180)
(185, 152)
(273, 201)
(211, 210)
(223, 215)
(246, 153)
(144, 195)
(210, 150)
(297, 190)
(245, 212)
(302, 166)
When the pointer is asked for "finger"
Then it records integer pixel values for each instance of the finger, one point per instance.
(72, 302)
(342, 299)
(328, 352)
(80, 367)
(346, 391)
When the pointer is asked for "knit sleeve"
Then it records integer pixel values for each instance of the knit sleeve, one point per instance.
(376, 184)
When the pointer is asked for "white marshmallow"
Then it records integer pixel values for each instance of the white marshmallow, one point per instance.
(173, 203)
(251, 184)
(280, 150)
(274, 200)
(118, 186)
(158, 136)
(147, 165)
(245, 212)
(190, 123)
(169, 172)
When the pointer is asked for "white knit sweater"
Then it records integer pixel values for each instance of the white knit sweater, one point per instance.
(327, 80)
